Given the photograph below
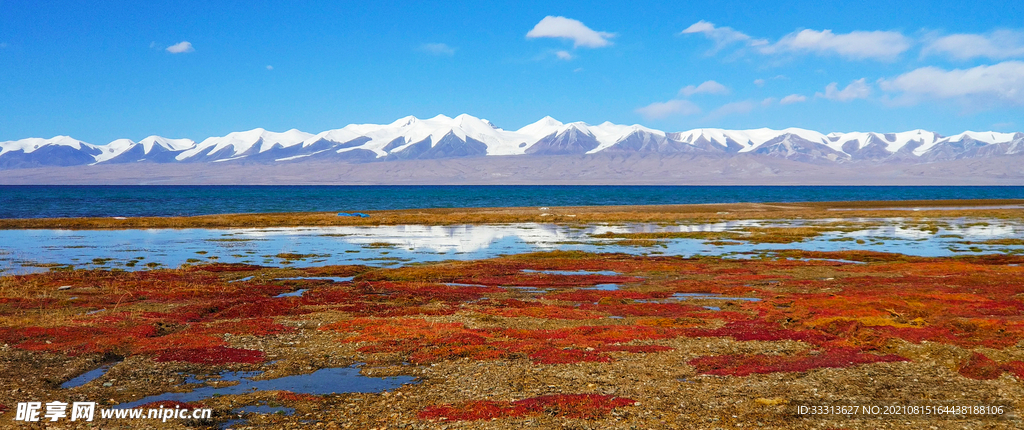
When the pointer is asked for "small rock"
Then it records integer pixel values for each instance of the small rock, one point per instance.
(64, 287)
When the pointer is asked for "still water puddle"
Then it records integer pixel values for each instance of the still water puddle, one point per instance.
(296, 293)
(337, 279)
(264, 409)
(456, 284)
(87, 377)
(323, 381)
(709, 296)
(24, 251)
(603, 287)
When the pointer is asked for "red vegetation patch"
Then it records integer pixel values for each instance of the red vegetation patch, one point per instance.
(1016, 368)
(212, 355)
(176, 341)
(263, 308)
(250, 326)
(743, 365)
(980, 367)
(78, 340)
(581, 406)
(545, 312)
(595, 296)
(666, 310)
(425, 342)
(760, 330)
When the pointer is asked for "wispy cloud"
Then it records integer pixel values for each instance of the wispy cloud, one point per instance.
(792, 98)
(564, 55)
(659, 110)
(441, 49)
(997, 45)
(183, 47)
(269, 67)
(707, 87)
(858, 45)
(722, 36)
(858, 89)
(566, 28)
(734, 108)
(981, 86)
(438, 49)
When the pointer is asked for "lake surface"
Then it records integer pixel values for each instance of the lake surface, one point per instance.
(23, 251)
(109, 201)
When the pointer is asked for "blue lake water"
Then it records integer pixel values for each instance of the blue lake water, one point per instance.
(158, 200)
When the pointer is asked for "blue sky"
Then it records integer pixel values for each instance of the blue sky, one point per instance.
(99, 71)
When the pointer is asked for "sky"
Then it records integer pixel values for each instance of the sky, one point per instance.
(99, 71)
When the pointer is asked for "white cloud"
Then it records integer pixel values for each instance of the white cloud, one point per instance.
(660, 110)
(566, 28)
(857, 45)
(707, 87)
(768, 101)
(792, 98)
(734, 108)
(998, 45)
(269, 67)
(437, 49)
(183, 47)
(997, 84)
(759, 82)
(722, 36)
(858, 89)
(563, 55)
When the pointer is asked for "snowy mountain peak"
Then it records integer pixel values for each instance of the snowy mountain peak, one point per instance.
(468, 136)
(169, 144)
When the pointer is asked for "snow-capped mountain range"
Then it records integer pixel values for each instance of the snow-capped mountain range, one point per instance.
(467, 136)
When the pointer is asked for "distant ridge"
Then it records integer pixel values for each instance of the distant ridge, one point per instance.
(465, 136)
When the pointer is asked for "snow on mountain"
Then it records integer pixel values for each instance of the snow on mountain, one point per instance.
(746, 140)
(401, 135)
(169, 144)
(55, 151)
(467, 136)
(152, 148)
(921, 141)
(241, 144)
(542, 128)
(33, 143)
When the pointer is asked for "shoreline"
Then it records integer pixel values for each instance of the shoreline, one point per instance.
(996, 208)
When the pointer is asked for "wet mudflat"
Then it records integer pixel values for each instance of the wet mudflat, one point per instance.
(554, 339)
